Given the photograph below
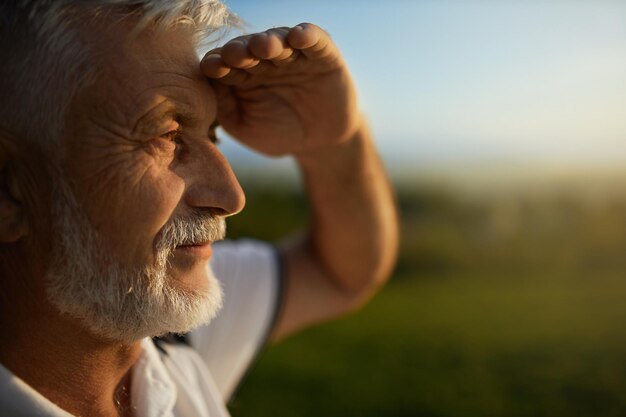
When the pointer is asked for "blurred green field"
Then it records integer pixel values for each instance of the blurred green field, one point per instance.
(504, 304)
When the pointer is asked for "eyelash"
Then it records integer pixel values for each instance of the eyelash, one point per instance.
(174, 136)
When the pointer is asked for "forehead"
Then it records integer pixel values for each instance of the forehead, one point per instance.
(143, 71)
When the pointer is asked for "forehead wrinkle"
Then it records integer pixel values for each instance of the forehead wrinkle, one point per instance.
(194, 78)
(177, 84)
(190, 80)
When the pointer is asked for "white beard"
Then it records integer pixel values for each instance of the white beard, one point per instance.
(118, 302)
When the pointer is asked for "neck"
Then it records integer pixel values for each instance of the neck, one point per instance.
(80, 374)
(56, 356)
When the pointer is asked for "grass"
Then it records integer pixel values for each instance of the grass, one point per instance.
(500, 307)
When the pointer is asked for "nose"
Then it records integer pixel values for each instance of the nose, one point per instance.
(212, 183)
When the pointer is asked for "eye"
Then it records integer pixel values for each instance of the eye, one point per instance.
(172, 135)
(169, 143)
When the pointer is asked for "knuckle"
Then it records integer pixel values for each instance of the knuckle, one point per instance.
(280, 32)
(308, 25)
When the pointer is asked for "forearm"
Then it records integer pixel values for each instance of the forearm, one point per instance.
(354, 225)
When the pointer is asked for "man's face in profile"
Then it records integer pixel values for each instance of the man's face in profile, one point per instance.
(146, 191)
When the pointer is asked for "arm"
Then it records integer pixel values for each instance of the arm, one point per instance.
(288, 91)
(351, 248)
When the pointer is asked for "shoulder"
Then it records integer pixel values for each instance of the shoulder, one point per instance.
(250, 273)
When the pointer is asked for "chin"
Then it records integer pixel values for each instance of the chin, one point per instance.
(187, 304)
(197, 279)
(125, 307)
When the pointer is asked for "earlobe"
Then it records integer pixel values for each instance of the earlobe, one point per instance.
(13, 224)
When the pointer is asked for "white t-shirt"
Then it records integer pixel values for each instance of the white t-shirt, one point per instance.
(175, 380)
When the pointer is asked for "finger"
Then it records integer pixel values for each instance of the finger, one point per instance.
(213, 67)
(235, 77)
(237, 55)
(219, 48)
(261, 68)
(271, 44)
(264, 46)
(288, 54)
(311, 40)
(287, 59)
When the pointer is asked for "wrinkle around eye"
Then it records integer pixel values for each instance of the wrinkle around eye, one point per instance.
(160, 147)
(109, 131)
(115, 173)
(111, 140)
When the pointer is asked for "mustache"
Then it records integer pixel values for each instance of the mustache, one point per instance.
(193, 229)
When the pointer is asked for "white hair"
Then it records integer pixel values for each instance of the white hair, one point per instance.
(120, 302)
(46, 61)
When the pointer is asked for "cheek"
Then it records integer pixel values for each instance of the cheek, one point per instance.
(152, 201)
(134, 203)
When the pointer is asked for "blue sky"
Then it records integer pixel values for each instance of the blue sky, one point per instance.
(442, 81)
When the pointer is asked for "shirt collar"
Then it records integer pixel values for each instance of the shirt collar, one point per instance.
(153, 391)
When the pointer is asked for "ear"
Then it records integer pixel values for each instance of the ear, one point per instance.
(13, 219)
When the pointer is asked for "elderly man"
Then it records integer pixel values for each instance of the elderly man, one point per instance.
(113, 192)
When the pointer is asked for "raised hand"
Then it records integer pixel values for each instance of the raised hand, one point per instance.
(284, 91)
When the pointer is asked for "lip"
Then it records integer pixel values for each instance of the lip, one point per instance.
(202, 250)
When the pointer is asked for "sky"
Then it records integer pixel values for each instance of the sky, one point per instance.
(444, 81)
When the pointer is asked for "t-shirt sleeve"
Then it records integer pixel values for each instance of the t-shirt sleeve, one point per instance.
(250, 275)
